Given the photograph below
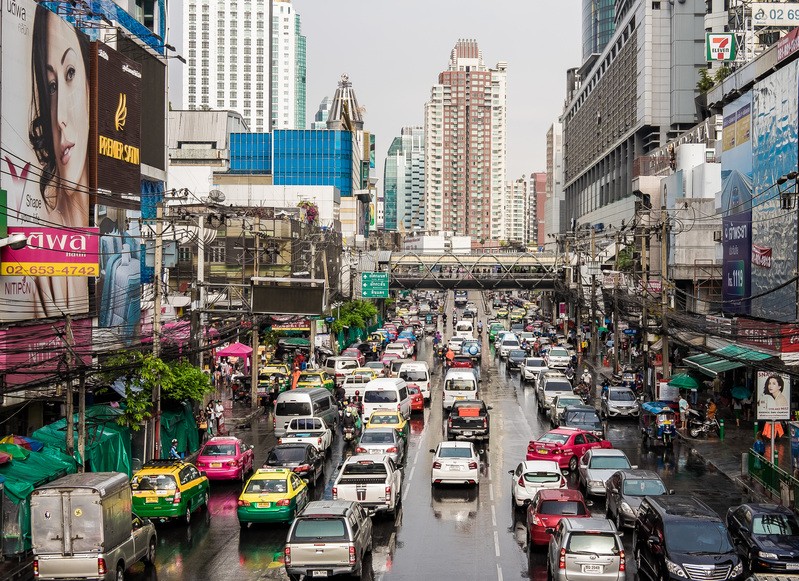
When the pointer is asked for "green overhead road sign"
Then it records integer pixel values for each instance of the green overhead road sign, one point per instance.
(374, 285)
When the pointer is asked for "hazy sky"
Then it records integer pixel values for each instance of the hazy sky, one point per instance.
(394, 50)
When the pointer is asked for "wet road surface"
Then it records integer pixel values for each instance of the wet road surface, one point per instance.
(443, 533)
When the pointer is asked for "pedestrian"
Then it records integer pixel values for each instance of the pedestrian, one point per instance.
(202, 426)
(683, 406)
(219, 412)
(210, 417)
(295, 377)
(737, 410)
(759, 446)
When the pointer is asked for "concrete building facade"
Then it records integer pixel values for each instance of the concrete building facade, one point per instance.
(554, 185)
(536, 215)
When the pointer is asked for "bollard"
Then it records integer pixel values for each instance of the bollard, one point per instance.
(775, 457)
(721, 430)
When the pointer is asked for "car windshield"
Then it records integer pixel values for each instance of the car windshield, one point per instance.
(370, 437)
(219, 450)
(311, 379)
(641, 487)
(583, 418)
(293, 408)
(775, 524)
(562, 508)
(266, 486)
(380, 397)
(517, 353)
(621, 395)
(510, 343)
(160, 482)
(557, 385)
(554, 438)
(533, 362)
(281, 455)
(451, 452)
(384, 419)
(348, 364)
(327, 529)
(567, 401)
(555, 352)
(459, 385)
(697, 536)
(595, 543)
(609, 463)
(364, 467)
(541, 477)
(413, 375)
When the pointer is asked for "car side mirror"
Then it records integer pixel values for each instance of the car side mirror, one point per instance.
(432, 451)
(634, 467)
(589, 503)
(490, 407)
(252, 447)
(510, 471)
(653, 541)
(549, 531)
(671, 491)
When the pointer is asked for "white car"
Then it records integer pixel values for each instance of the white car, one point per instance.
(532, 476)
(455, 463)
(508, 342)
(558, 357)
(455, 344)
(599, 464)
(532, 367)
(398, 348)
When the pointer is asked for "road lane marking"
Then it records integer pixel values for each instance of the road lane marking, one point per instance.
(491, 492)
(493, 516)
(496, 543)
(499, 572)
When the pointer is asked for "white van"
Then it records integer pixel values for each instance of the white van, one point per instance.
(395, 366)
(339, 367)
(465, 329)
(353, 383)
(386, 393)
(305, 402)
(459, 384)
(417, 373)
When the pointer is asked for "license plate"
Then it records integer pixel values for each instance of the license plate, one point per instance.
(594, 569)
(543, 451)
(263, 504)
(375, 451)
(792, 566)
(151, 501)
(467, 433)
(459, 397)
(455, 467)
(318, 573)
(216, 464)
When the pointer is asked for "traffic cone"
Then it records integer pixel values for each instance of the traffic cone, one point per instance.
(605, 362)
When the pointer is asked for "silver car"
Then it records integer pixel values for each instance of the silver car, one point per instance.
(625, 491)
(382, 441)
(586, 549)
(619, 401)
(532, 367)
(559, 403)
(599, 464)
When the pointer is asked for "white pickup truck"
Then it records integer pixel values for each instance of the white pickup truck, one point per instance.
(373, 480)
(309, 431)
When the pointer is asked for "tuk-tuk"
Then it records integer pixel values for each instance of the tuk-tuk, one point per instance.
(656, 421)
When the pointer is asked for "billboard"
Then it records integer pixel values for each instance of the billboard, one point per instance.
(773, 396)
(720, 47)
(736, 205)
(115, 114)
(775, 109)
(45, 139)
(775, 14)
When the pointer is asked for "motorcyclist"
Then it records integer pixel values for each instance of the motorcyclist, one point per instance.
(349, 419)
(450, 356)
(444, 318)
(586, 377)
(356, 402)
(480, 327)
(341, 394)
(173, 451)
(605, 387)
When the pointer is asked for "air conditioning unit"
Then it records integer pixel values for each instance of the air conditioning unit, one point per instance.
(717, 235)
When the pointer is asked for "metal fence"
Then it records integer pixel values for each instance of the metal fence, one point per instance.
(774, 479)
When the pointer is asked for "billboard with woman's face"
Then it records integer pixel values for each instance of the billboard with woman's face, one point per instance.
(45, 165)
(773, 396)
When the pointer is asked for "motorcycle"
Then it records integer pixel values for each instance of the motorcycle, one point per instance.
(586, 378)
(583, 390)
(350, 435)
(698, 423)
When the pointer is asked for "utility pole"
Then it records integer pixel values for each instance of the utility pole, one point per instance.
(69, 400)
(644, 314)
(594, 334)
(200, 282)
(616, 337)
(664, 296)
(311, 321)
(255, 361)
(82, 420)
(159, 264)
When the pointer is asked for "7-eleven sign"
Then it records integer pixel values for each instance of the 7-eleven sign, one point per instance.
(720, 47)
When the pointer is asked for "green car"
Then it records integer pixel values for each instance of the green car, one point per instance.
(493, 330)
(169, 489)
(316, 379)
(271, 495)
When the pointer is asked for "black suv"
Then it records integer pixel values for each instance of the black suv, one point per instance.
(680, 537)
(583, 417)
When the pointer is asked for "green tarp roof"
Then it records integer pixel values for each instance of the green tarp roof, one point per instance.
(181, 426)
(22, 476)
(724, 359)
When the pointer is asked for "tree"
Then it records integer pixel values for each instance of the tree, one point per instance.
(354, 314)
(140, 373)
(705, 81)
(188, 383)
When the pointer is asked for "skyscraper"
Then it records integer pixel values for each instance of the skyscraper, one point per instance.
(598, 25)
(465, 146)
(403, 181)
(226, 44)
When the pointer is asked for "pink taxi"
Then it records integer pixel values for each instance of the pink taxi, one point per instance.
(225, 458)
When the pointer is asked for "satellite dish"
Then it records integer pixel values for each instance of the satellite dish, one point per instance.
(216, 196)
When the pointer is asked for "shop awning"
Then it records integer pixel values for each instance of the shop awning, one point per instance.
(724, 359)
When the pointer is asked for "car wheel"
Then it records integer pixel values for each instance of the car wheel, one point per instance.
(294, 577)
(120, 575)
(149, 558)
(572, 463)
(206, 498)
(244, 525)
(187, 516)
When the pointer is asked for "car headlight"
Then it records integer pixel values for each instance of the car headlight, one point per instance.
(675, 569)
(596, 483)
(738, 569)
(626, 508)
(766, 555)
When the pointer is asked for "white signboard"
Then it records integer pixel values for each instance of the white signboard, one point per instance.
(775, 14)
(773, 396)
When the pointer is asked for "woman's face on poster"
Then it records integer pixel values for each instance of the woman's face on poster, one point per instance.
(67, 84)
(773, 386)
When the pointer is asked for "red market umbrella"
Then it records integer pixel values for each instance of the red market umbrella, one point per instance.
(235, 350)
(5, 458)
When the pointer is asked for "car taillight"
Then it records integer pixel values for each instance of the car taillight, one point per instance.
(302, 468)
(557, 451)
(485, 422)
(562, 559)
(280, 440)
(436, 465)
(231, 462)
(284, 502)
(36, 567)
(622, 561)
(176, 499)
(399, 407)
(392, 450)
(318, 441)
(521, 480)
(360, 450)
(352, 554)
(472, 465)
(243, 503)
(287, 556)
(563, 483)
(335, 493)
(101, 568)
(388, 492)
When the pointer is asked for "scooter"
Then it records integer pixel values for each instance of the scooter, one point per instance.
(698, 423)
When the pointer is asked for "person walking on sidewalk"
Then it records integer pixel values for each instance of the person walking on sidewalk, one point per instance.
(210, 418)
(219, 412)
(683, 403)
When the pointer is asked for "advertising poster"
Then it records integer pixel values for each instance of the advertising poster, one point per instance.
(773, 396)
(45, 137)
(774, 154)
(736, 206)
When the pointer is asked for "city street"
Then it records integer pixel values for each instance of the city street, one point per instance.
(438, 531)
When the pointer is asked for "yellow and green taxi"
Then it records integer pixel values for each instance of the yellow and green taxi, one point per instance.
(366, 372)
(169, 489)
(517, 314)
(388, 418)
(272, 495)
(502, 313)
(493, 330)
(313, 378)
(267, 374)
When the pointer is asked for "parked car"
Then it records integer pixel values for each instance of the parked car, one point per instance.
(619, 402)
(531, 367)
(548, 506)
(564, 445)
(766, 536)
(597, 465)
(382, 441)
(583, 417)
(271, 495)
(301, 458)
(626, 489)
(331, 536)
(225, 458)
(530, 477)
(455, 463)
(169, 489)
(586, 548)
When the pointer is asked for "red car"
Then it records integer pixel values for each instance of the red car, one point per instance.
(417, 399)
(547, 508)
(356, 353)
(462, 362)
(564, 445)
(225, 458)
